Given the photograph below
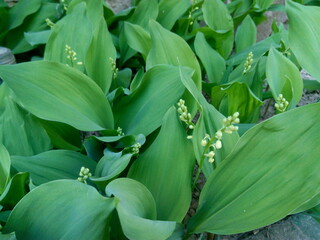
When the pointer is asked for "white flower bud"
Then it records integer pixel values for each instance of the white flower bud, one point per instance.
(211, 160)
(236, 121)
(189, 137)
(204, 142)
(219, 134)
(191, 127)
(236, 114)
(218, 144)
(211, 154)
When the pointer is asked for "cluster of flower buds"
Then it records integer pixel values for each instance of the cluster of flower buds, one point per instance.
(84, 175)
(281, 103)
(71, 55)
(228, 122)
(136, 147)
(49, 22)
(193, 9)
(248, 63)
(120, 132)
(211, 144)
(185, 116)
(114, 68)
(65, 5)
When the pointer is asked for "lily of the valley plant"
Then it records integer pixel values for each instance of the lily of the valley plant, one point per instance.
(109, 121)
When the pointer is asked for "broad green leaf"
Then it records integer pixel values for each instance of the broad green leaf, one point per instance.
(169, 48)
(212, 61)
(142, 111)
(145, 11)
(168, 159)
(138, 38)
(5, 163)
(53, 165)
(284, 78)
(170, 11)
(36, 22)
(137, 211)
(21, 133)
(36, 38)
(97, 61)
(15, 190)
(109, 167)
(123, 141)
(217, 17)
(48, 83)
(67, 32)
(304, 35)
(94, 10)
(263, 4)
(272, 171)
(209, 122)
(62, 209)
(246, 34)
(124, 78)
(62, 135)
(307, 205)
(10, 236)
(21, 10)
(258, 49)
(235, 97)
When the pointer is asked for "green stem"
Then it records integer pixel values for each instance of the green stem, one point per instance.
(202, 161)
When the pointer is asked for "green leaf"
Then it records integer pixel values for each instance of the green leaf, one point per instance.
(284, 78)
(109, 167)
(246, 34)
(5, 163)
(48, 83)
(217, 17)
(35, 23)
(171, 11)
(212, 61)
(169, 48)
(138, 38)
(53, 165)
(21, 10)
(36, 38)
(68, 31)
(235, 97)
(271, 172)
(15, 190)
(65, 209)
(97, 61)
(258, 49)
(144, 12)
(304, 35)
(142, 111)
(167, 160)
(19, 126)
(263, 4)
(62, 135)
(94, 10)
(137, 211)
(10, 236)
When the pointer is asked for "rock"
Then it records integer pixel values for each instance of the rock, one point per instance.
(6, 56)
(118, 5)
(295, 227)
